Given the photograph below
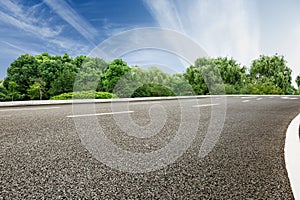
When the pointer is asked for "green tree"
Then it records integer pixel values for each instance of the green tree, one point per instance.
(79, 60)
(23, 71)
(3, 92)
(89, 74)
(65, 81)
(180, 86)
(205, 77)
(272, 70)
(298, 81)
(233, 75)
(13, 90)
(36, 90)
(113, 73)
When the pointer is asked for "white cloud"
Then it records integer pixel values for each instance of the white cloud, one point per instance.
(40, 28)
(44, 32)
(18, 16)
(67, 13)
(222, 27)
(17, 49)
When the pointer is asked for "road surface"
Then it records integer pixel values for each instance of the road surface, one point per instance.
(42, 155)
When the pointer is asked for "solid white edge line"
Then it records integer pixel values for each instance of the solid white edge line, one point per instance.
(28, 109)
(100, 114)
(292, 156)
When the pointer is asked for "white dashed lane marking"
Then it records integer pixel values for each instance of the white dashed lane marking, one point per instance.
(246, 101)
(205, 105)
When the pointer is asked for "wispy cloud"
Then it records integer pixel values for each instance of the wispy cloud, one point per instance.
(19, 49)
(17, 16)
(167, 10)
(39, 27)
(222, 27)
(36, 30)
(67, 13)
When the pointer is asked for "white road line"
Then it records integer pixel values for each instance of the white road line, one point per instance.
(292, 98)
(259, 99)
(206, 105)
(292, 156)
(246, 101)
(249, 97)
(27, 109)
(100, 114)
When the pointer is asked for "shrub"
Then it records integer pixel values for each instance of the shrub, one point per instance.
(84, 95)
(152, 90)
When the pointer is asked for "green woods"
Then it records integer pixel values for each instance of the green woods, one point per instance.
(63, 77)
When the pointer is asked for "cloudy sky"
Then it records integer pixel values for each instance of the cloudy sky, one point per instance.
(242, 29)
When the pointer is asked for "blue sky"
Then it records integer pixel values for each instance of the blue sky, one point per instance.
(242, 29)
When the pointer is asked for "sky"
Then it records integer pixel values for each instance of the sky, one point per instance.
(242, 29)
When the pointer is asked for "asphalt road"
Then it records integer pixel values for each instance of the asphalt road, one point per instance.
(43, 155)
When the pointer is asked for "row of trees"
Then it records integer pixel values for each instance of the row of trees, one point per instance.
(44, 76)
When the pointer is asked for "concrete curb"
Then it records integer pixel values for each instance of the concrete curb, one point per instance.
(83, 101)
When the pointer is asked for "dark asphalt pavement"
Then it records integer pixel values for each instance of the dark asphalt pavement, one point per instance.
(43, 157)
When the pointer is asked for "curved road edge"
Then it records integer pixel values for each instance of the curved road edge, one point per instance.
(292, 156)
(83, 101)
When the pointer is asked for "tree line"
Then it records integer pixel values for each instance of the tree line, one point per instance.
(52, 77)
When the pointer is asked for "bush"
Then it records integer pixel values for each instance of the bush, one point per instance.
(84, 95)
(152, 90)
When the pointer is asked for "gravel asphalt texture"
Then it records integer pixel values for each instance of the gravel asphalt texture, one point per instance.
(42, 157)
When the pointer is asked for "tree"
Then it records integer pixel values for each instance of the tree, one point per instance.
(205, 77)
(79, 60)
(180, 86)
(89, 74)
(65, 81)
(3, 92)
(13, 90)
(231, 72)
(298, 81)
(23, 72)
(113, 73)
(152, 90)
(36, 90)
(272, 69)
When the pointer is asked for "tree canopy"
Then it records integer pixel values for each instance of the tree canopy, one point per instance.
(44, 76)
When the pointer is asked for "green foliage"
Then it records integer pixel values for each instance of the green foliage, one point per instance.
(13, 91)
(65, 81)
(205, 77)
(23, 72)
(44, 76)
(298, 81)
(113, 74)
(272, 69)
(231, 72)
(3, 92)
(84, 95)
(90, 74)
(138, 77)
(180, 86)
(152, 90)
(36, 90)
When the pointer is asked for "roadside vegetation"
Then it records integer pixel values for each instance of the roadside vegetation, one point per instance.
(63, 77)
